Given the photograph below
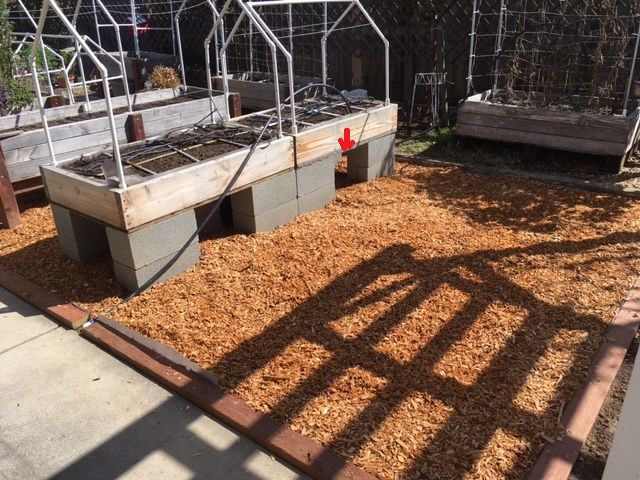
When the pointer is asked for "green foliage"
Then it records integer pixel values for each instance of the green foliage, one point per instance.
(424, 142)
(14, 94)
(5, 39)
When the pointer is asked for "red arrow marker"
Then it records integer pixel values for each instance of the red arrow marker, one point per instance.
(346, 143)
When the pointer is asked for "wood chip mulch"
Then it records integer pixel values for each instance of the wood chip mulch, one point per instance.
(432, 324)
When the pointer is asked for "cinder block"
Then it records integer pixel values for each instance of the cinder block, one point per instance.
(74, 226)
(147, 245)
(372, 160)
(316, 200)
(265, 195)
(84, 249)
(316, 175)
(132, 278)
(266, 221)
(221, 220)
(80, 239)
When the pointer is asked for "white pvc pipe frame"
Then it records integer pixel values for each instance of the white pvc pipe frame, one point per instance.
(46, 5)
(178, 36)
(248, 9)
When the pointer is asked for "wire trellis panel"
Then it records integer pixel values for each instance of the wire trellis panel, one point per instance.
(560, 54)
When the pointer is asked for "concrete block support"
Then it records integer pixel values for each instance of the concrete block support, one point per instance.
(372, 160)
(80, 238)
(139, 255)
(266, 205)
(316, 183)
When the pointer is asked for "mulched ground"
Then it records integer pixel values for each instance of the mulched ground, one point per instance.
(432, 324)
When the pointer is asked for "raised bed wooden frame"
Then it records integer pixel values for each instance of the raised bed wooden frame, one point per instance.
(25, 152)
(321, 140)
(613, 136)
(165, 194)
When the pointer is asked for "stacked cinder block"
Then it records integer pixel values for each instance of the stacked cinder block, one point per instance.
(372, 160)
(140, 255)
(316, 183)
(80, 238)
(267, 204)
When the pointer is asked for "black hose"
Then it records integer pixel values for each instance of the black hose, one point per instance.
(224, 194)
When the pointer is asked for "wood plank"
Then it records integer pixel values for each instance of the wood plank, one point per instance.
(593, 147)
(95, 125)
(78, 139)
(316, 142)
(32, 116)
(544, 115)
(191, 185)
(551, 127)
(9, 212)
(82, 195)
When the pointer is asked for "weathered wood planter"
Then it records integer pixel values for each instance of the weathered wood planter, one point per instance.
(25, 152)
(155, 215)
(613, 136)
(164, 194)
(321, 140)
(257, 90)
(73, 135)
(31, 116)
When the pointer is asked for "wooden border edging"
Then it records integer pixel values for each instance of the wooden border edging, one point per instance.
(67, 314)
(541, 177)
(175, 372)
(557, 459)
(303, 453)
(554, 463)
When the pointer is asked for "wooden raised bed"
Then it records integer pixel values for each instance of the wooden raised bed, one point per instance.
(613, 136)
(22, 153)
(320, 140)
(25, 152)
(164, 194)
(31, 116)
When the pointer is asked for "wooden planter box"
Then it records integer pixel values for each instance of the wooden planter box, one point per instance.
(165, 194)
(26, 152)
(613, 136)
(257, 90)
(321, 140)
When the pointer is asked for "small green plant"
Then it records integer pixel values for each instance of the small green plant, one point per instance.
(164, 77)
(14, 95)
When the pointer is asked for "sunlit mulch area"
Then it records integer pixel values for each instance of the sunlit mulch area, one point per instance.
(428, 325)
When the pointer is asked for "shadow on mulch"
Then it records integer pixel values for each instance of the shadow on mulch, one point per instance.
(479, 410)
(537, 209)
(90, 282)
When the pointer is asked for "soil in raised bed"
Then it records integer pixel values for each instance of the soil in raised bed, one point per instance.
(158, 156)
(431, 324)
(306, 112)
(559, 103)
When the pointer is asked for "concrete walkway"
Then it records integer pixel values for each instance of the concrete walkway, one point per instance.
(70, 410)
(623, 462)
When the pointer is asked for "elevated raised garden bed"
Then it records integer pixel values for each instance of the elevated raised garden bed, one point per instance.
(74, 133)
(168, 181)
(613, 136)
(322, 122)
